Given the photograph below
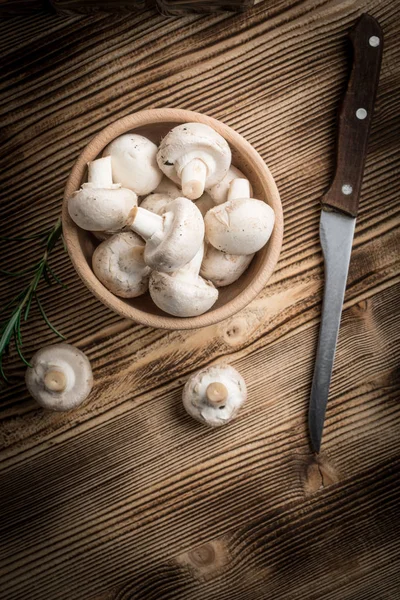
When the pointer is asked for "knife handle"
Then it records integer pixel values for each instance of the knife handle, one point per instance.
(355, 116)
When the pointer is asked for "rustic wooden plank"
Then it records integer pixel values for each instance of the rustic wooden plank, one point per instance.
(127, 497)
(141, 499)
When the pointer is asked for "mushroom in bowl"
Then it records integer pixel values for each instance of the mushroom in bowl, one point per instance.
(134, 164)
(183, 293)
(241, 225)
(118, 262)
(194, 155)
(155, 125)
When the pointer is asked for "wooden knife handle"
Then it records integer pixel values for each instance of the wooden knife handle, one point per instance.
(355, 116)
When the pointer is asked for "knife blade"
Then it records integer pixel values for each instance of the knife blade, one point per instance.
(340, 207)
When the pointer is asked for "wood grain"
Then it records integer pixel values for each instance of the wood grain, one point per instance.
(128, 498)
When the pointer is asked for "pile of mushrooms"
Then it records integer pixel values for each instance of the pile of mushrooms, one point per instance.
(176, 220)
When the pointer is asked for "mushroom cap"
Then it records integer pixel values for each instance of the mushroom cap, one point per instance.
(221, 268)
(101, 209)
(156, 202)
(64, 364)
(168, 187)
(119, 264)
(181, 297)
(188, 141)
(241, 226)
(134, 163)
(204, 203)
(198, 405)
(180, 238)
(219, 191)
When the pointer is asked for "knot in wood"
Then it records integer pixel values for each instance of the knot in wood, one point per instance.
(203, 556)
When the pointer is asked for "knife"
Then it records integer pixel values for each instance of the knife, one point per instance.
(340, 206)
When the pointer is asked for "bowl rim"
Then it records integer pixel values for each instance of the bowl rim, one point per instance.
(118, 305)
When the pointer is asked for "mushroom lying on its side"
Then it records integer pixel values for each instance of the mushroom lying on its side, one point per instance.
(100, 204)
(173, 239)
(118, 263)
(60, 378)
(222, 268)
(194, 156)
(219, 191)
(214, 395)
(134, 163)
(183, 293)
(242, 225)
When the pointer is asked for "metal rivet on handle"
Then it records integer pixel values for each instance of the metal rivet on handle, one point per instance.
(374, 41)
(347, 189)
(361, 113)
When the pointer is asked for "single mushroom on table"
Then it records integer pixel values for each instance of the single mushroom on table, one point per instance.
(221, 268)
(100, 204)
(173, 239)
(194, 156)
(134, 163)
(119, 264)
(60, 377)
(219, 191)
(183, 293)
(241, 225)
(214, 395)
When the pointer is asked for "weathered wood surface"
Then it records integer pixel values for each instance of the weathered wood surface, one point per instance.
(128, 498)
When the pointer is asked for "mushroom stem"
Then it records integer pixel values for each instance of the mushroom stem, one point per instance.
(193, 179)
(100, 173)
(55, 381)
(216, 393)
(145, 223)
(239, 188)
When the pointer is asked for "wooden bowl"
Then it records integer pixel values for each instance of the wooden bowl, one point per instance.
(154, 124)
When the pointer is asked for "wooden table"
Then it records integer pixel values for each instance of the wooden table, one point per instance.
(128, 498)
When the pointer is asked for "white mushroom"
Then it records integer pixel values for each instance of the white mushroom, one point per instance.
(60, 378)
(183, 293)
(168, 187)
(240, 225)
(118, 263)
(100, 204)
(134, 163)
(204, 203)
(221, 268)
(155, 203)
(219, 191)
(194, 156)
(214, 395)
(172, 239)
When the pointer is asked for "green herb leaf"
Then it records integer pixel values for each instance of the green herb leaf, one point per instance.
(21, 304)
(46, 319)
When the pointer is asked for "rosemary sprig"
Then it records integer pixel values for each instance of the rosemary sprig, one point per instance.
(20, 305)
